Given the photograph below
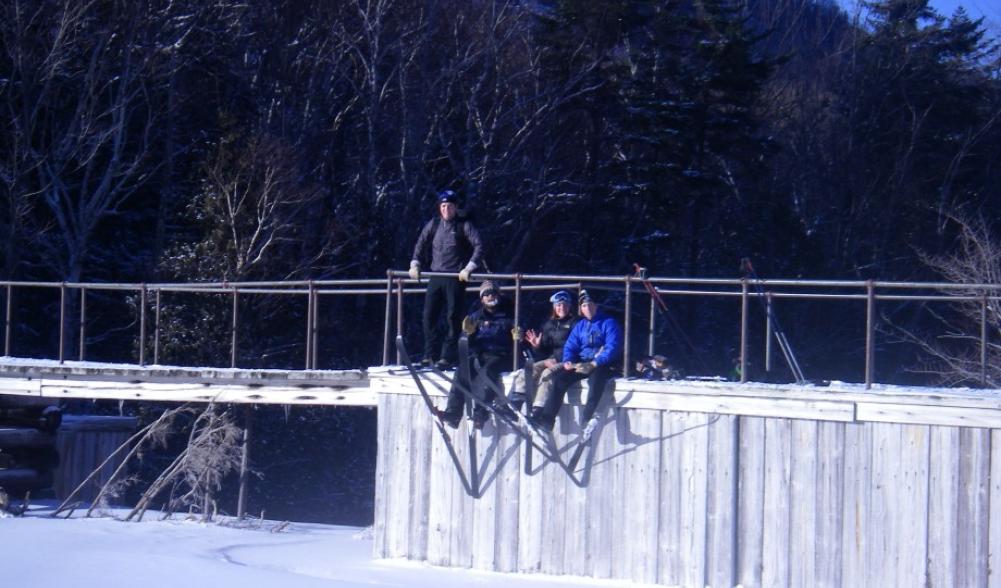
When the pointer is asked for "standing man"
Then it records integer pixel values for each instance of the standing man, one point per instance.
(590, 352)
(451, 244)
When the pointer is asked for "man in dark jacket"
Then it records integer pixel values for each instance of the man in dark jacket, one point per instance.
(590, 352)
(452, 245)
(490, 329)
(547, 349)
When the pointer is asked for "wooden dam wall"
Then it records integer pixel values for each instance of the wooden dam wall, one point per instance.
(716, 484)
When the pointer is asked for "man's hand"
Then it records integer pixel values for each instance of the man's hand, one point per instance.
(469, 325)
(464, 275)
(585, 367)
(415, 270)
(516, 334)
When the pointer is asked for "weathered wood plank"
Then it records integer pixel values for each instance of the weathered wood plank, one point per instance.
(575, 508)
(641, 466)
(803, 500)
(943, 493)
(484, 528)
(830, 500)
(554, 482)
(994, 520)
(384, 433)
(400, 480)
(508, 502)
(600, 471)
(670, 559)
(974, 467)
(742, 405)
(24, 437)
(775, 536)
(420, 492)
(721, 501)
(949, 416)
(751, 501)
(911, 510)
(694, 481)
(21, 386)
(855, 532)
(199, 392)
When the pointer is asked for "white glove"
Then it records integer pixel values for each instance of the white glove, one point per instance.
(415, 270)
(464, 275)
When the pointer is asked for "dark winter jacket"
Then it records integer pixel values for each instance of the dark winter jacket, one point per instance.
(493, 330)
(597, 340)
(554, 336)
(452, 245)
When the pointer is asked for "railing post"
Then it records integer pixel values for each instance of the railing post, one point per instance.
(743, 330)
(142, 325)
(156, 330)
(983, 340)
(389, 318)
(7, 325)
(309, 324)
(62, 321)
(653, 325)
(83, 322)
(870, 312)
(236, 324)
(399, 315)
(248, 429)
(628, 326)
(313, 329)
(517, 321)
(768, 332)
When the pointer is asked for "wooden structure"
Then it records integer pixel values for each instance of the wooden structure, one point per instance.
(84, 442)
(711, 483)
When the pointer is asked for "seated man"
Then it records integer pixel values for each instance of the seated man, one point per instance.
(590, 352)
(490, 329)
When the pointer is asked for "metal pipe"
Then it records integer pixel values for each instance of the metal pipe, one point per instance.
(399, 315)
(870, 310)
(83, 322)
(983, 341)
(7, 325)
(248, 429)
(388, 320)
(628, 306)
(743, 331)
(768, 333)
(62, 320)
(236, 324)
(314, 330)
(653, 324)
(142, 325)
(156, 331)
(309, 325)
(517, 321)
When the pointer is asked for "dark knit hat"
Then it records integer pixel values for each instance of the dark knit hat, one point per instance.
(487, 287)
(584, 297)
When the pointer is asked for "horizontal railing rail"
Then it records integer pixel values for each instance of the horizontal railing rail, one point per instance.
(397, 285)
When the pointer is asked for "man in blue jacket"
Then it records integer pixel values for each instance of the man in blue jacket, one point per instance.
(590, 352)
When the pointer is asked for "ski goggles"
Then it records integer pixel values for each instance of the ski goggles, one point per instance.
(561, 296)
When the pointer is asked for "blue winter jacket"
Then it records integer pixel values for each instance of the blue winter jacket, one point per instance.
(597, 340)
(493, 332)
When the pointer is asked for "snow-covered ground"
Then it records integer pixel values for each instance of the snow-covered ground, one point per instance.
(38, 550)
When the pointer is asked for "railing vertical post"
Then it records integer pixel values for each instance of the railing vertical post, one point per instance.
(83, 322)
(248, 429)
(62, 321)
(653, 325)
(628, 326)
(309, 324)
(399, 315)
(314, 329)
(156, 330)
(389, 318)
(7, 325)
(870, 313)
(236, 324)
(517, 321)
(743, 330)
(983, 340)
(142, 325)
(768, 332)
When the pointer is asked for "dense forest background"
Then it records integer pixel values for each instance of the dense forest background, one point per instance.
(156, 140)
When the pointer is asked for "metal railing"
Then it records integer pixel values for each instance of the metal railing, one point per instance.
(397, 285)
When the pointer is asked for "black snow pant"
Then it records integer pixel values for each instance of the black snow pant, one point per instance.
(563, 379)
(493, 364)
(442, 293)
